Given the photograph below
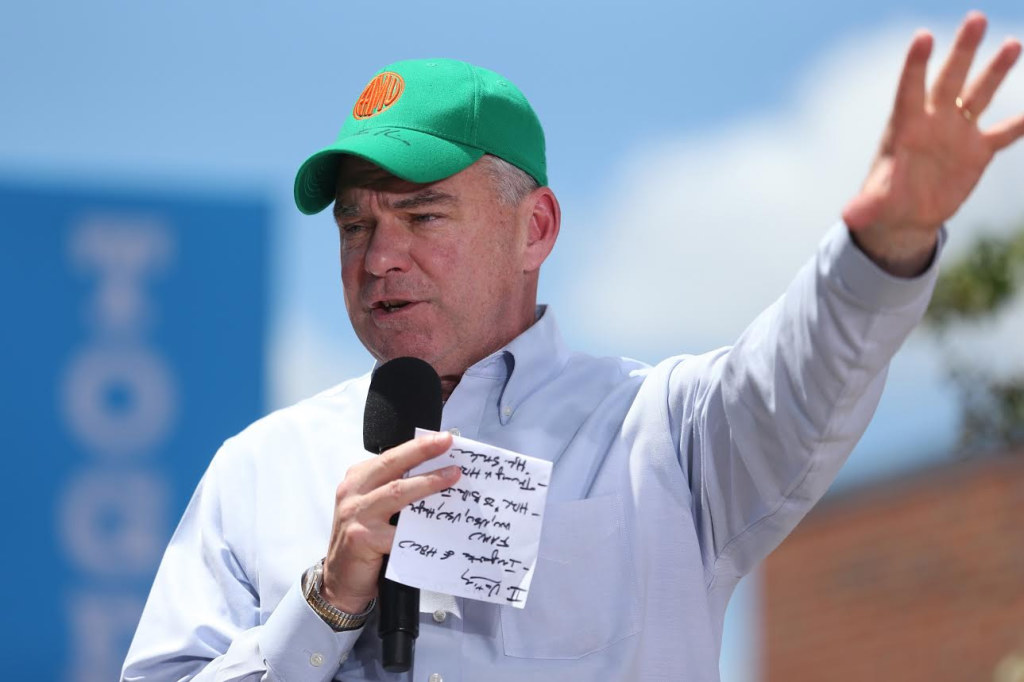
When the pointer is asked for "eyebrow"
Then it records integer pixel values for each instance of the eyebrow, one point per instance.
(425, 198)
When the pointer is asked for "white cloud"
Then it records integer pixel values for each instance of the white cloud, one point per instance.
(305, 357)
(708, 228)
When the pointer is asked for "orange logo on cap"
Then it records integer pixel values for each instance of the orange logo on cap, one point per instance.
(379, 94)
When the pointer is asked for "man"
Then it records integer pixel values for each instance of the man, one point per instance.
(670, 482)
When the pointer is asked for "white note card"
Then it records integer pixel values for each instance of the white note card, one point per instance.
(479, 538)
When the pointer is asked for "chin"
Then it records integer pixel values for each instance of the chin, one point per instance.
(406, 348)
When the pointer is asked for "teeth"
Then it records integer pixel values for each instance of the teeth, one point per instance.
(389, 306)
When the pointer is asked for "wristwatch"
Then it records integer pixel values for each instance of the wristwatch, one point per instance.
(340, 621)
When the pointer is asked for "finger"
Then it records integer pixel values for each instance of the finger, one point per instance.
(392, 464)
(395, 495)
(911, 89)
(1005, 133)
(350, 578)
(954, 72)
(980, 91)
(376, 536)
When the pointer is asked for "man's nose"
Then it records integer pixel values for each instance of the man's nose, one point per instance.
(388, 250)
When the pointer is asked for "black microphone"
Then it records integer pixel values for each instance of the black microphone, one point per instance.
(405, 393)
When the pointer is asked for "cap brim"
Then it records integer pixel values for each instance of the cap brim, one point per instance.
(408, 154)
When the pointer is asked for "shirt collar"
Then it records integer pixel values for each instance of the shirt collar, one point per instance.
(528, 362)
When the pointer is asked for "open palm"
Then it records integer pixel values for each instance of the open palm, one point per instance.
(932, 153)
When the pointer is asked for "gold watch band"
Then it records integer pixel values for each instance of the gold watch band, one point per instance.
(338, 620)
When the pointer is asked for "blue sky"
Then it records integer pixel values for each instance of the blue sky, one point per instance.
(699, 151)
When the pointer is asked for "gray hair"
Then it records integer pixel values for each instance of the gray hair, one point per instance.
(510, 182)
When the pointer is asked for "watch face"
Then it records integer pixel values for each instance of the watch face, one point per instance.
(318, 577)
(307, 582)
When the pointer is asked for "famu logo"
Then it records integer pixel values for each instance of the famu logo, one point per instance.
(379, 94)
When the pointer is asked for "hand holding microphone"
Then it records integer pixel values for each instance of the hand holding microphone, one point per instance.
(371, 493)
(402, 397)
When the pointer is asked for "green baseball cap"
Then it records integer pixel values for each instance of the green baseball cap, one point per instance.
(424, 120)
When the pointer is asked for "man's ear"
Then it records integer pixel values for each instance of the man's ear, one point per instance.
(544, 221)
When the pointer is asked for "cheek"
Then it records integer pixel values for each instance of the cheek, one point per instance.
(350, 284)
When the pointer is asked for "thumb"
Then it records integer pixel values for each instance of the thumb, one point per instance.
(862, 211)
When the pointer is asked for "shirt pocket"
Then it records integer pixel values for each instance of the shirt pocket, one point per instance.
(583, 596)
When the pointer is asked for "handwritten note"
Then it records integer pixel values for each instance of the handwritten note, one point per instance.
(478, 538)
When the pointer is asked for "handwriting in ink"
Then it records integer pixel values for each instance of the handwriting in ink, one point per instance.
(514, 594)
(481, 583)
(421, 508)
(525, 483)
(450, 517)
(517, 507)
(495, 540)
(495, 559)
(470, 472)
(516, 463)
(478, 521)
(479, 457)
(419, 548)
(390, 133)
(478, 537)
(464, 493)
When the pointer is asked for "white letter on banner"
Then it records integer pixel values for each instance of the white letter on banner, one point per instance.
(124, 250)
(101, 628)
(112, 523)
(119, 401)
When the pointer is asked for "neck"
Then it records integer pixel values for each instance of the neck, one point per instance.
(528, 317)
(448, 384)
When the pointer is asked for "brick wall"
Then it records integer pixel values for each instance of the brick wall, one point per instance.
(920, 579)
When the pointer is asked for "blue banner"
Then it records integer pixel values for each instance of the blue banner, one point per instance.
(133, 332)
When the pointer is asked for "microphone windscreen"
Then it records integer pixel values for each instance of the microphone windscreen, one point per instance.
(405, 393)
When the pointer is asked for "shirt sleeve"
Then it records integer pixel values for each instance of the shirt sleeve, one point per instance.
(766, 425)
(202, 620)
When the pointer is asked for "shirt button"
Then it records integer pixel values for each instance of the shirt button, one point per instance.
(316, 660)
(507, 411)
(454, 432)
(439, 616)
(435, 677)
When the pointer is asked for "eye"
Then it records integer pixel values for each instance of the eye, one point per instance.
(351, 229)
(425, 217)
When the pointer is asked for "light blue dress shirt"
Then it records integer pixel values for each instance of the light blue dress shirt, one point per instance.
(670, 483)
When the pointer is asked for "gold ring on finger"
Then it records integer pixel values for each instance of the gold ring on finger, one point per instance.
(964, 110)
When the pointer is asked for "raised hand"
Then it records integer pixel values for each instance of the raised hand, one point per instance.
(932, 153)
(364, 503)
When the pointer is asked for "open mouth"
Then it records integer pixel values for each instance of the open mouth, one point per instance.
(390, 306)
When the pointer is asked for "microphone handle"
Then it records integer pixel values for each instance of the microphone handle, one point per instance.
(399, 622)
